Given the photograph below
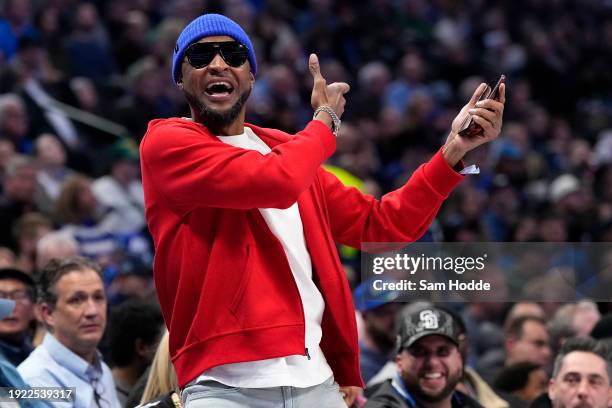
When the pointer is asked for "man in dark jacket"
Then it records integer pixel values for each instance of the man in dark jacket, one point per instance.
(581, 377)
(429, 365)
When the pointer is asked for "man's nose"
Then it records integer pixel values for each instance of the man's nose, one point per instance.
(92, 308)
(217, 63)
(583, 389)
(432, 359)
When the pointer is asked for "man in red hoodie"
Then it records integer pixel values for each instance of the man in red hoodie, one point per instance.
(245, 222)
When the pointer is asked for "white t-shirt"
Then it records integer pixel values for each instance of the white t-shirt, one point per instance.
(299, 370)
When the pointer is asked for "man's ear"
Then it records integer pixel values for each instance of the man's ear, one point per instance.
(46, 314)
(552, 389)
(398, 362)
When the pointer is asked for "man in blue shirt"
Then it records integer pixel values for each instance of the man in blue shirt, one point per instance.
(73, 307)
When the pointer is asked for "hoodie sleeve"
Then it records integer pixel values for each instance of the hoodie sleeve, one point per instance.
(400, 216)
(191, 168)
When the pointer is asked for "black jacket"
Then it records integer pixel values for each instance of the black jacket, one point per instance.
(385, 396)
(541, 402)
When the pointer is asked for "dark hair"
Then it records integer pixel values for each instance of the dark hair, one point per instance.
(129, 321)
(55, 269)
(603, 328)
(515, 377)
(587, 345)
(515, 329)
(19, 275)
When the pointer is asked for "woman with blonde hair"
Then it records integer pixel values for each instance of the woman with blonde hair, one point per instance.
(161, 390)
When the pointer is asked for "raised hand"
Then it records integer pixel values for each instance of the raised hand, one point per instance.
(487, 113)
(331, 95)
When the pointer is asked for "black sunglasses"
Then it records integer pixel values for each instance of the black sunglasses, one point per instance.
(233, 53)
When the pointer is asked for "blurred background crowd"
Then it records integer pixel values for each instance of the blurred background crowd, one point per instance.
(79, 81)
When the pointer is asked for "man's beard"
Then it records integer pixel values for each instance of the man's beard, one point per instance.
(215, 120)
(415, 390)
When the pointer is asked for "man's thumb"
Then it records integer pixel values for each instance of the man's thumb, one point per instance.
(344, 87)
(339, 87)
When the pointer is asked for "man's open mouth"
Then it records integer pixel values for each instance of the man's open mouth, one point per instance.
(219, 89)
(432, 376)
(433, 379)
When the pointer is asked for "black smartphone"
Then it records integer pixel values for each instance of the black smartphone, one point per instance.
(469, 128)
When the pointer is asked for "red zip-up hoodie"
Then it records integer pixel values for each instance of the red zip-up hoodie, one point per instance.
(223, 281)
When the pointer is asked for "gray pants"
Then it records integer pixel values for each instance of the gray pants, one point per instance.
(217, 395)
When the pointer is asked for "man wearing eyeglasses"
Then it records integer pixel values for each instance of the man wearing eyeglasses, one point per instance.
(9, 376)
(15, 335)
(73, 307)
(429, 365)
(245, 222)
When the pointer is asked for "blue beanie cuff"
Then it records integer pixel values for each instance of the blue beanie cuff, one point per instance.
(209, 25)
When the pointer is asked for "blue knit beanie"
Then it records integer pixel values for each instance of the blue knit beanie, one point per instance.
(209, 25)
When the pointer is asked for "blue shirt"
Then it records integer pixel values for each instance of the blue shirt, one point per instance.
(53, 365)
(9, 377)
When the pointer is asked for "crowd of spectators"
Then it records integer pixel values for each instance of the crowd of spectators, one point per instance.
(80, 80)
(410, 65)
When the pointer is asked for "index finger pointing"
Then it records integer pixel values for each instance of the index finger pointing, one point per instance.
(313, 65)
